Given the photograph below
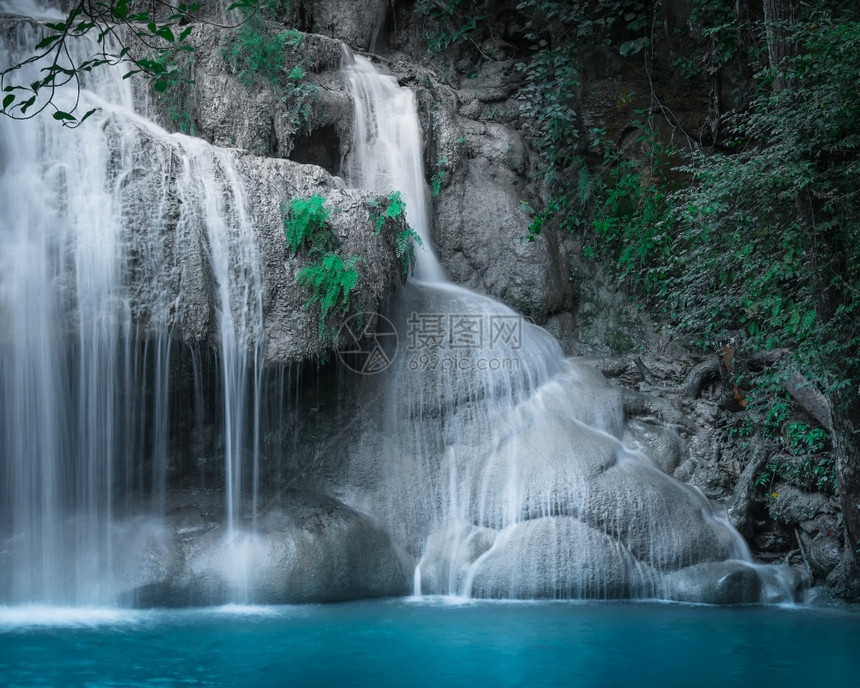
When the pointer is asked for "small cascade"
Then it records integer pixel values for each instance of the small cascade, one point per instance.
(503, 471)
(386, 150)
(91, 297)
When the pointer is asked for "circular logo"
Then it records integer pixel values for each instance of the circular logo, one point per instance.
(364, 349)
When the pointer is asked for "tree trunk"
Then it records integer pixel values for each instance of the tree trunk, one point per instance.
(777, 15)
(846, 432)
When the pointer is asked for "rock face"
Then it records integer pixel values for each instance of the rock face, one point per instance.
(304, 548)
(479, 173)
(356, 22)
(177, 262)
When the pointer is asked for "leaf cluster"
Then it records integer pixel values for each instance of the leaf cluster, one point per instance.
(448, 23)
(109, 21)
(405, 239)
(256, 54)
(559, 33)
(329, 278)
(305, 224)
(330, 281)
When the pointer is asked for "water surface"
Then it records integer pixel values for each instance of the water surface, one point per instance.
(431, 642)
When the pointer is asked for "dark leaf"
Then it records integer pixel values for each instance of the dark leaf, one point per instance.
(45, 42)
(89, 112)
(26, 104)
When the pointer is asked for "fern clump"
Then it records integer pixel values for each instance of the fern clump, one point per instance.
(395, 209)
(330, 283)
(404, 240)
(305, 224)
(329, 279)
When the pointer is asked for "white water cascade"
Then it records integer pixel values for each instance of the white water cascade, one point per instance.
(90, 295)
(386, 150)
(504, 473)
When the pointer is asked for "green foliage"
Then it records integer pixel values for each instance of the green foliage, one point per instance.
(305, 224)
(802, 438)
(436, 183)
(255, 54)
(175, 98)
(715, 22)
(404, 245)
(394, 209)
(448, 23)
(633, 221)
(330, 281)
(767, 240)
(769, 236)
(438, 177)
(549, 99)
(112, 23)
(406, 238)
(560, 32)
(815, 473)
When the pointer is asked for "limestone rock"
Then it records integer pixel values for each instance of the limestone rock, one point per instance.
(566, 559)
(659, 443)
(724, 582)
(824, 555)
(356, 22)
(481, 230)
(791, 505)
(173, 282)
(304, 548)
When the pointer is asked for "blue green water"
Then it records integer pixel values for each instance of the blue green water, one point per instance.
(431, 643)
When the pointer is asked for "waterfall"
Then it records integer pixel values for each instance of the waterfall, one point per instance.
(386, 150)
(90, 296)
(130, 266)
(503, 469)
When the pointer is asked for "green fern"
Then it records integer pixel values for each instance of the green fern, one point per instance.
(395, 209)
(331, 281)
(305, 224)
(404, 245)
(406, 239)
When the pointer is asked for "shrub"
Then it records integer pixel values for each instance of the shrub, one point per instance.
(255, 54)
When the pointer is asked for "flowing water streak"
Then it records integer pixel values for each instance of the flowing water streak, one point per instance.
(386, 150)
(89, 290)
(64, 372)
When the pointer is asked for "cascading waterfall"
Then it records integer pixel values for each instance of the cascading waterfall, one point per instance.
(496, 463)
(504, 471)
(84, 280)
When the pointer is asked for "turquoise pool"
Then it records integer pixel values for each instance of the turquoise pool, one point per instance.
(431, 642)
